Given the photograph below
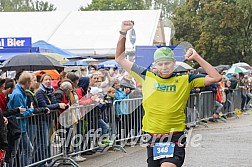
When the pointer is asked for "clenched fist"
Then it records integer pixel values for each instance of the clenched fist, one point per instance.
(191, 54)
(127, 25)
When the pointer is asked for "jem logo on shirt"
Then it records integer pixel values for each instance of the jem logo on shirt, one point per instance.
(165, 88)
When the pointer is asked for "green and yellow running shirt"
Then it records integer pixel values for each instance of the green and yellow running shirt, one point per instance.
(165, 99)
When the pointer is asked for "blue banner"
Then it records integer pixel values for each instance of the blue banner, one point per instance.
(13, 42)
(144, 54)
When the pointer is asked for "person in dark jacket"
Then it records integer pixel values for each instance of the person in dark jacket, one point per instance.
(32, 100)
(63, 92)
(46, 98)
(6, 87)
(33, 121)
(74, 101)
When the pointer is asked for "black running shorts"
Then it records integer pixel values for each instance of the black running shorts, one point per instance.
(177, 159)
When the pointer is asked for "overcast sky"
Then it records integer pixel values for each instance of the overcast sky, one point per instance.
(69, 5)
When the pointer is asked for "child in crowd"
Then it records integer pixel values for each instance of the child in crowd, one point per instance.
(218, 101)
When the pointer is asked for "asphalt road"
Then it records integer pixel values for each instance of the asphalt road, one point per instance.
(222, 145)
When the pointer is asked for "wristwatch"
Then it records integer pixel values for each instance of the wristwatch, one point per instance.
(123, 33)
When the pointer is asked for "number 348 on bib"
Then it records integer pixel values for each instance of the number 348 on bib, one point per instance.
(163, 150)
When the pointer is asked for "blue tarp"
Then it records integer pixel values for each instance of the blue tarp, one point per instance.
(46, 47)
(108, 64)
(5, 56)
(7, 53)
(76, 63)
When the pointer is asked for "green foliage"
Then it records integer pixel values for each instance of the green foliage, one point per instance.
(167, 6)
(25, 6)
(220, 30)
(114, 5)
(43, 6)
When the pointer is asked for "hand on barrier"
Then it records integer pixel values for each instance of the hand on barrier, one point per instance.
(62, 105)
(21, 110)
(66, 107)
(31, 105)
(5, 120)
(47, 110)
(95, 98)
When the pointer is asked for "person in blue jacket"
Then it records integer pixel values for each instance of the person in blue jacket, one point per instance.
(18, 98)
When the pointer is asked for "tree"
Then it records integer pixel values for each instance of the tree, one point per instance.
(167, 6)
(43, 6)
(25, 6)
(114, 5)
(245, 11)
(217, 29)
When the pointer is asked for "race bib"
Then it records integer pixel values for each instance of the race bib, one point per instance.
(163, 150)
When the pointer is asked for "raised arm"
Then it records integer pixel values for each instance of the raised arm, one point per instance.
(213, 75)
(120, 49)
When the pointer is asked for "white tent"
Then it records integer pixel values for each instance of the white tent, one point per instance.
(82, 32)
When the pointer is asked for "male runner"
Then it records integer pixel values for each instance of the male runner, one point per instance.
(165, 95)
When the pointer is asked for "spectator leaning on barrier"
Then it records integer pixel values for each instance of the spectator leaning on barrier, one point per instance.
(46, 98)
(33, 122)
(243, 88)
(164, 98)
(228, 94)
(74, 100)
(218, 101)
(6, 87)
(233, 82)
(19, 98)
(120, 94)
(45, 95)
(109, 99)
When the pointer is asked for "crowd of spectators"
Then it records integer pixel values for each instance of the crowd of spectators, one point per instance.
(28, 95)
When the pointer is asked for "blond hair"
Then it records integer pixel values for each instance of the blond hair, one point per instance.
(25, 77)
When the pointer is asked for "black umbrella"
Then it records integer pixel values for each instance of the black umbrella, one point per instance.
(31, 62)
(201, 70)
(222, 67)
(179, 68)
